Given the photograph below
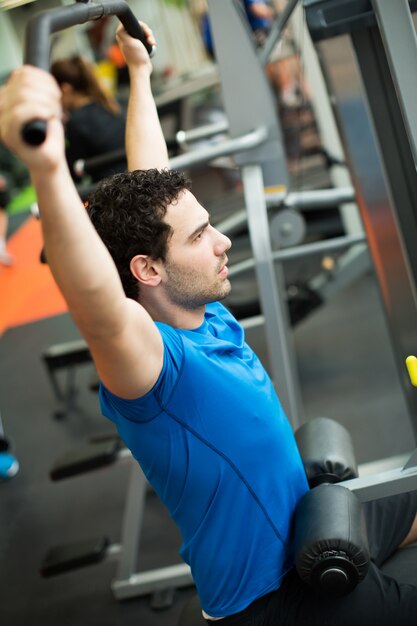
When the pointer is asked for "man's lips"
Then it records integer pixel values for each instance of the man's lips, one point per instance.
(224, 270)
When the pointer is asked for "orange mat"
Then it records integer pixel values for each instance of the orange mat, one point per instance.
(27, 290)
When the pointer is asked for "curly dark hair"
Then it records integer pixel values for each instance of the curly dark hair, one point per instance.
(127, 211)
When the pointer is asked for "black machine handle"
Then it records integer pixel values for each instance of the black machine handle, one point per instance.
(42, 25)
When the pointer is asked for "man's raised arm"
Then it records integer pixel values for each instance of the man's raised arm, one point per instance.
(125, 343)
(145, 143)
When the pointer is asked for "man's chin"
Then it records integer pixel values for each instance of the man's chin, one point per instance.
(227, 288)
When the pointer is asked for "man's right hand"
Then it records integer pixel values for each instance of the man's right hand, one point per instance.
(31, 93)
(133, 50)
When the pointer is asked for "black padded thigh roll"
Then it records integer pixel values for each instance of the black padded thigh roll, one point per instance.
(327, 451)
(331, 543)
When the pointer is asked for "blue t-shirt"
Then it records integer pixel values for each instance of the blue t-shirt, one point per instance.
(213, 441)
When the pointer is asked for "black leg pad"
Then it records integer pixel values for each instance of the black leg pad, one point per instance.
(326, 450)
(331, 544)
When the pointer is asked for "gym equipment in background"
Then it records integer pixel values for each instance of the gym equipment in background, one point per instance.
(367, 52)
(256, 144)
(42, 25)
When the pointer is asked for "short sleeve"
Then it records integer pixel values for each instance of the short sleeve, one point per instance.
(150, 405)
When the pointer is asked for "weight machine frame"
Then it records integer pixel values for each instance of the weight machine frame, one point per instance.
(256, 142)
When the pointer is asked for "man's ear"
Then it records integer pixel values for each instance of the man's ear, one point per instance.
(146, 270)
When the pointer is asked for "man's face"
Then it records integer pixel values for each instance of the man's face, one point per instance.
(195, 267)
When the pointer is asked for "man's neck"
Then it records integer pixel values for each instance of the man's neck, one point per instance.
(176, 316)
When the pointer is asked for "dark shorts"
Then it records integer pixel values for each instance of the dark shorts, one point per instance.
(378, 600)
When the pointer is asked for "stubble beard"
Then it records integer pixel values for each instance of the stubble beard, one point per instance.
(185, 288)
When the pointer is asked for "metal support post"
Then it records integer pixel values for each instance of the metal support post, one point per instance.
(128, 582)
(272, 289)
(400, 42)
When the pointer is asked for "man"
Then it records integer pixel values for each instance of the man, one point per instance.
(188, 396)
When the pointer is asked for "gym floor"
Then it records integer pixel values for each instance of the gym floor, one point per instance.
(346, 372)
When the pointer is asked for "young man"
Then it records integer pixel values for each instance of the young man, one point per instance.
(186, 393)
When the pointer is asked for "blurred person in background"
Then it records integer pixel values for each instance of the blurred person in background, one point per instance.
(95, 123)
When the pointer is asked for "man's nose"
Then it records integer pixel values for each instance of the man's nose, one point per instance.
(222, 244)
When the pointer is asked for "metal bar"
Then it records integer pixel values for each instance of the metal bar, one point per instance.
(276, 31)
(302, 200)
(202, 132)
(88, 166)
(56, 388)
(174, 576)
(42, 25)
(318, 247)
(271, 289)
(183, 161)
(128, 583)
(384, 173)
(400, 42)
(389, 483)
(412, 461)
(316, 199)
(197, 81)
(252, 322)
(132, 525)
(350, 266)
(227, 147)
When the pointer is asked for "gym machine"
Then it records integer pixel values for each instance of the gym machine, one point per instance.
(256, 143)
(330, 538)
(367, 51)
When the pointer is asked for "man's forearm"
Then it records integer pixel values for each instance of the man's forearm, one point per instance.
(145, 142)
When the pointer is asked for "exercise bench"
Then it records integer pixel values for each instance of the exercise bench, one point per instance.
(65, 356)
(159, 583)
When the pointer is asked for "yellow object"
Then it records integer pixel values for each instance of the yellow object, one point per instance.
(276, 189)
(107, 74)
(411, 363)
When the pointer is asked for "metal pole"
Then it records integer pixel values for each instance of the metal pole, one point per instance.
(276, 31)
(319, 247)
(227, 147)
(272, 289)
(400, 42)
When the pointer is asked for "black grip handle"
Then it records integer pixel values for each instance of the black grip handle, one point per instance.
(34, 132)
(42, 25)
